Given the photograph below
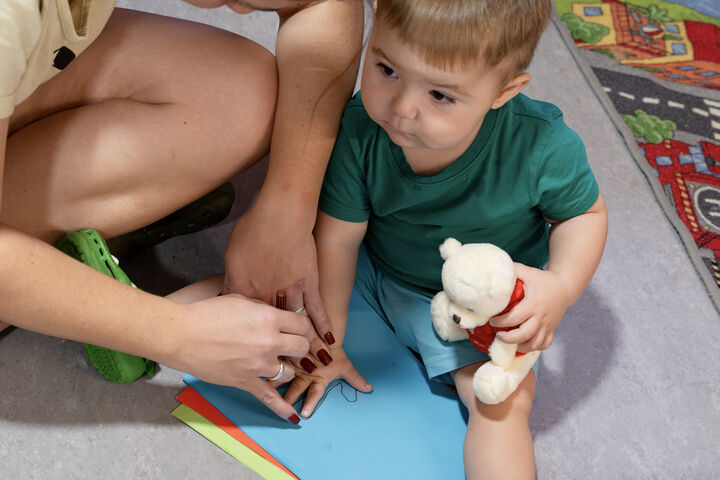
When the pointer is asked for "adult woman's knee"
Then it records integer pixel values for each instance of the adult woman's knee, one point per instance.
(244, 104)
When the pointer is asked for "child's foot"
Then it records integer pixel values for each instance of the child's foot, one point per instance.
(88, 247)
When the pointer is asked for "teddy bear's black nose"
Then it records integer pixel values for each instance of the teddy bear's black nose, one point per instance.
(456, 319)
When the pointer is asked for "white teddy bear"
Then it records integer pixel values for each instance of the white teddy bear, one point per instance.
(480, 282)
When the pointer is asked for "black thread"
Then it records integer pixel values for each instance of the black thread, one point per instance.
(327, 392)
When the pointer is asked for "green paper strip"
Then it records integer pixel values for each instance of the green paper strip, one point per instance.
(226, 442)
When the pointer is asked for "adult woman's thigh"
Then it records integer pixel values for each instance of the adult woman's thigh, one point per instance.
(155, 113)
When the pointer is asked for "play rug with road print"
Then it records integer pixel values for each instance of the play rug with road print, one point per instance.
(656, 67)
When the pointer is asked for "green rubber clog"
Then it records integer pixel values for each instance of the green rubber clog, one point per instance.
(88, 247)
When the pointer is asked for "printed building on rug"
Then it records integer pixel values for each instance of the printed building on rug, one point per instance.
(682, 51)
(690, 176)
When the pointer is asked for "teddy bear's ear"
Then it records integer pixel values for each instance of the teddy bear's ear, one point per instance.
(448, 247)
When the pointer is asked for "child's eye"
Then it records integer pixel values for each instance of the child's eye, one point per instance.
(441, 97)
(387, 71)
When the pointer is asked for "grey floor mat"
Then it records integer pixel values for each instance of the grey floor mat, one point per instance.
(629, 389)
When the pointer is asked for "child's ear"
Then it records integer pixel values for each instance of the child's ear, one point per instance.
(511, 89)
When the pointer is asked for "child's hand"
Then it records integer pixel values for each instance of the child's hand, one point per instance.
(539, 313)
(317, 380)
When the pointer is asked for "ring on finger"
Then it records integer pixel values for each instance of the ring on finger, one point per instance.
(300, 310)
(280, 373)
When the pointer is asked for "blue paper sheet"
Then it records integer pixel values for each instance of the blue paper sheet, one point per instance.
(408, 427)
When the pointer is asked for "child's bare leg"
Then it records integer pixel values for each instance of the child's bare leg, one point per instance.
(195, 292)
(3, 326)
(498, 443)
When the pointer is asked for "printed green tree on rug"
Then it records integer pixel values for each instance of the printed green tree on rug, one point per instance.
(586, 31)
(650, 127)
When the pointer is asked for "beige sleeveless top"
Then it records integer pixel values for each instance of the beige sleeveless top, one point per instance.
(38, 38)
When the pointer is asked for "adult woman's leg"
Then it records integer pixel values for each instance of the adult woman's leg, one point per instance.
(156, 113)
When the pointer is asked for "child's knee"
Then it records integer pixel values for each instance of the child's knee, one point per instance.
(522, 398)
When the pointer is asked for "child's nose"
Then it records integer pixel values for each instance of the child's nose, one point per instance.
(404, 105)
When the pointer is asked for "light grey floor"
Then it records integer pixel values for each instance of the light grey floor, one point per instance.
(630, 389)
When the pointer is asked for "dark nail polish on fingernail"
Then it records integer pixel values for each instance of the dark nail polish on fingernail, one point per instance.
(324, 357)
(329, 338)
(294, 418)
(308, 365)
(281, 300)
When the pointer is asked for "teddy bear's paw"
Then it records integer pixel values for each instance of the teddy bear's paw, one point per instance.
(492, 384)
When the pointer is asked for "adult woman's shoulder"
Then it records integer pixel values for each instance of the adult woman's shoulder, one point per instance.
(20, 28)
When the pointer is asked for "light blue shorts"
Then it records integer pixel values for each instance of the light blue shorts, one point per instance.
(408, 314)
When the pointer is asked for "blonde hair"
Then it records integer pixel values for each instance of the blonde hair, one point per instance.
(448, 33)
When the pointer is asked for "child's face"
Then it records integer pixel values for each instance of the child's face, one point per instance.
(422, 106)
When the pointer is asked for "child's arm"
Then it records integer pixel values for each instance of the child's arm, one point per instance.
(338, 243)
(576, 246)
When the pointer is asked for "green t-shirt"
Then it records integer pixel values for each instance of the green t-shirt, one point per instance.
(525, 163)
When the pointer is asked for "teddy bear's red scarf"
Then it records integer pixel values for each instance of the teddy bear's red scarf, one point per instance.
(482, 336)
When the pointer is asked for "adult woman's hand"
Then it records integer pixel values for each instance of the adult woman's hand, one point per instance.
(231, 340)
(268, 252)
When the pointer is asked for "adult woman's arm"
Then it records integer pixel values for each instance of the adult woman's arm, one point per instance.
(228, 340)
(318, 52)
